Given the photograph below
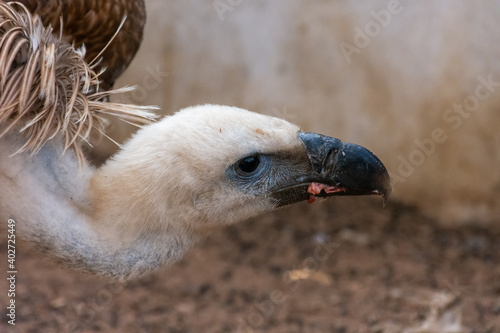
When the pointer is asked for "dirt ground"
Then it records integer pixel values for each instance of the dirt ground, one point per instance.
(341, 265)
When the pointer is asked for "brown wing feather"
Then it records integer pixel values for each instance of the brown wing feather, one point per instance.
(47, 89)
(93, 23)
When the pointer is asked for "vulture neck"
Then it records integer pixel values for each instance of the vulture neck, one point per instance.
(95, 221)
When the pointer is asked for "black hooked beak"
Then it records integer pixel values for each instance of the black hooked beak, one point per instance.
(338, 168)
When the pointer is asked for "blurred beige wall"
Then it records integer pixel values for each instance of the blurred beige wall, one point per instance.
(416, 82)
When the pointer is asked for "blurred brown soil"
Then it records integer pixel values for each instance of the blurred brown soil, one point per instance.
(342, 265)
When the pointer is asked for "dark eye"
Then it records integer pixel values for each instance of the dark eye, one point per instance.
(249, 164)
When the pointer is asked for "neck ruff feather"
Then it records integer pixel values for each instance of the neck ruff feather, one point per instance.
(47, 89)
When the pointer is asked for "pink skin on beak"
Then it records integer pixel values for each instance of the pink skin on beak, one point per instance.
(316, 188)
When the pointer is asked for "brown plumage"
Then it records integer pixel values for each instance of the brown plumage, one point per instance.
(48, 89)
(93, 23)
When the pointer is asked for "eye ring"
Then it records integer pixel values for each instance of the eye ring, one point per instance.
(249, 165)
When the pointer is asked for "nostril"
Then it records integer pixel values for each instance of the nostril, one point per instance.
(322, 150)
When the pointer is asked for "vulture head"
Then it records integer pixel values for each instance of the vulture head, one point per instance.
(216, 165)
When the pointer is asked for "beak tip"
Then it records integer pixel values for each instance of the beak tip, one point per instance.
(385, 198)
(385, 192)
(386, 187)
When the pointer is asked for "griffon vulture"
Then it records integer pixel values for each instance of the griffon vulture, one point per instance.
(171, 184)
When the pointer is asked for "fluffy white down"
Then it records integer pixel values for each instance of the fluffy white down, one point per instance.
(179, 165)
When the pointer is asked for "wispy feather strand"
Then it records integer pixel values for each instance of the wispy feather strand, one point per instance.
(46, 88)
